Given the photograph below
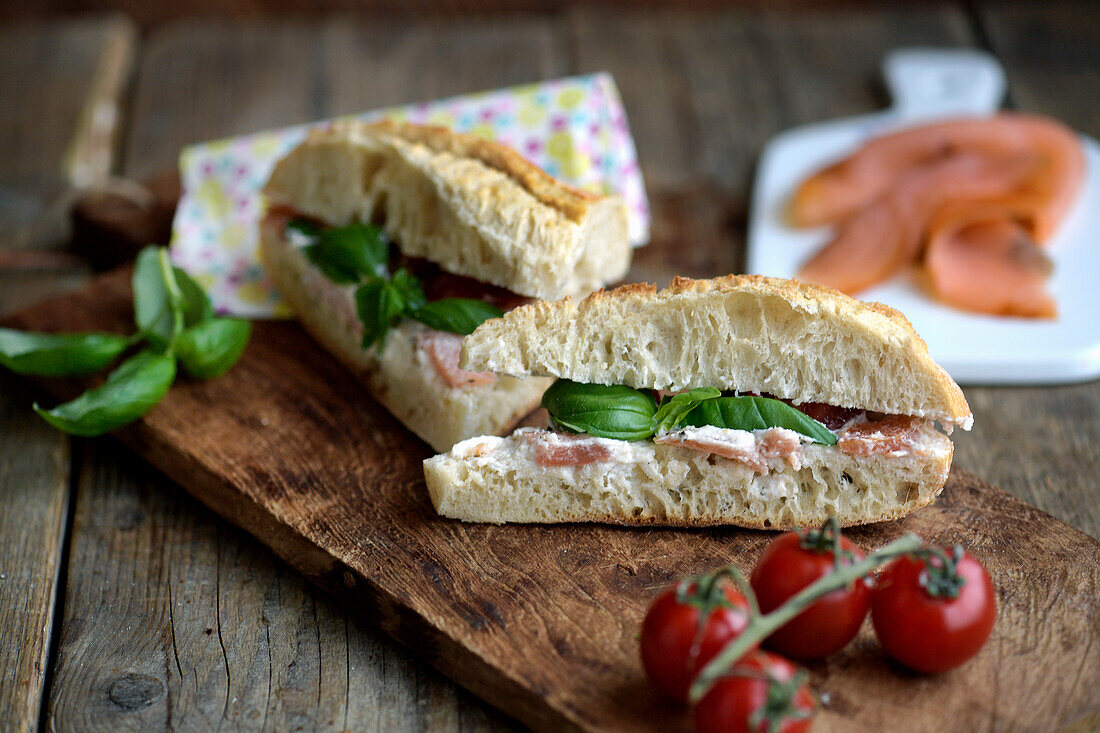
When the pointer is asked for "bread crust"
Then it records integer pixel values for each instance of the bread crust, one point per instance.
(472, 206)
(570, 201)
(797, 341)
(400, 377)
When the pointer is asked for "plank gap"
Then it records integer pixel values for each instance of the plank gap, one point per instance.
(61, 581)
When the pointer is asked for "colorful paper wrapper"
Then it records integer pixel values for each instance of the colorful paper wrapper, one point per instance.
(573, 128)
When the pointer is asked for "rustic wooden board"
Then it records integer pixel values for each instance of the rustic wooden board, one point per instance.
(541, 621)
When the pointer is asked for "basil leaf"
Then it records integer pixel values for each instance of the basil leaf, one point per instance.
(348, 254)
(604, 411)
(211, 348)
(758, 413)
(196, 303)
(304, 227)
(154, 311)
(130, 391)
(409, 288)
(379, 304)
(673, 410)
(59, 354)
(456, 315)
(152, 307)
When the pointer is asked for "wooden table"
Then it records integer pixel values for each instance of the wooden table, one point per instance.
(125, 604)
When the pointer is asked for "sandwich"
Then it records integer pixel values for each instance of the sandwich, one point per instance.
(391, 241)
(742, 400)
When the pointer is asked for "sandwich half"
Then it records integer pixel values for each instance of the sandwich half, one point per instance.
(741, 400)
(380, 236)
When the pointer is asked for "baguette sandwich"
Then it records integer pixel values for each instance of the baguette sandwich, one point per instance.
(741, 400)
(391, 241)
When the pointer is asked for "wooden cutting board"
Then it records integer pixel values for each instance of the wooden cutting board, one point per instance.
(542, 620)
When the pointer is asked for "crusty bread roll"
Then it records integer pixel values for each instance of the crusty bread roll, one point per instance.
(401, 376)
(799, 342)
(805, 344)
(473, 207)
(491, 479)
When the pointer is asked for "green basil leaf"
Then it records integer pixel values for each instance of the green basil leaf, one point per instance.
(758, 413)
(59, 354)
(409, 288)
(211, 348)
(154, 311)
(304, 227)
(380, 306)
(348, 254)
(604, 411)
(456, 315)
(152, 307)
(130, 391)
(673, 410)
(196, 303)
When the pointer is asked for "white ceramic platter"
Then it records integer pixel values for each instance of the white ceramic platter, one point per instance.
(927, 84)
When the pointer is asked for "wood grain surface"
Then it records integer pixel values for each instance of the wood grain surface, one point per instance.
(702, 90)
(47, 67)
(542, 620)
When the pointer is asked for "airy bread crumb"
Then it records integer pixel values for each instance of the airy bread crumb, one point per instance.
(799, 342)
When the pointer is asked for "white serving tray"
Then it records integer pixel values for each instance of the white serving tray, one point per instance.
(927, 84)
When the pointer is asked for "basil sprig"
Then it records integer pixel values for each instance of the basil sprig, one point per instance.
(348, 254)
(381, 303)
(358, 254)
(625, 413)
(674, 409)
(456, 315)
(605, 411)
(130, 391)
(59, 354)
(758, 413)
(174, 319)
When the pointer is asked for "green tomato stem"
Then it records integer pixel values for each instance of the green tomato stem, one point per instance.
(761, 627)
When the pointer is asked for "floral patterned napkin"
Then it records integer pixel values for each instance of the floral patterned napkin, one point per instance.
(573, 128)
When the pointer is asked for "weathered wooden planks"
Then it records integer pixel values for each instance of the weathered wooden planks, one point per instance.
(46, 73)
(175, 620)
(542, 621)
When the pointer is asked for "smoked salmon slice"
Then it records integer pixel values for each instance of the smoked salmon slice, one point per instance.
(842, 189)
(989, 265)
(885, 236)
(443, 351)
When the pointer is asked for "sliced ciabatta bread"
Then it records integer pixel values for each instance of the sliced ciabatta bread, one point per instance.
(403, 375)
(474, 207)
(491, 479)
(802, 343)
(794, 403)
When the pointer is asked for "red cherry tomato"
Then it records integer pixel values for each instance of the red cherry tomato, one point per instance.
(927, 633)
(786, 567)
(685, 627)
(740, 701)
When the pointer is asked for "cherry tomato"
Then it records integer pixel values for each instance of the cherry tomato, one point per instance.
(760, 694)
(685, 627)
(787, 566)
(930, 633)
